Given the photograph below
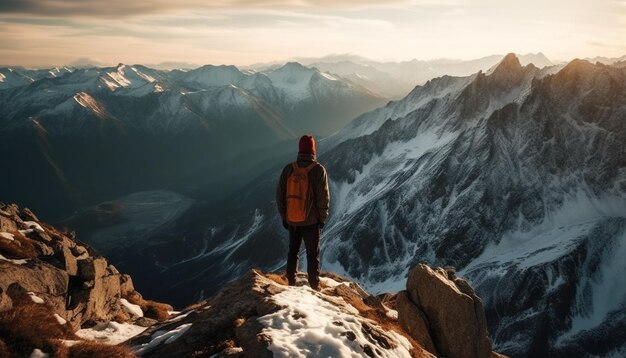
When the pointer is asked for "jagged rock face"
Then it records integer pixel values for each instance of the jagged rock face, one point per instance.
(36, 258)
(448, 310)
(515, 176)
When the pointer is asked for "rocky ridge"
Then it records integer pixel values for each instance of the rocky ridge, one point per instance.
(73, 288)
(66, 279)
(260, 316)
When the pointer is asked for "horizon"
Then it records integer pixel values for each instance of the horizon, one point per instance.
(42, 34)
(169, 65)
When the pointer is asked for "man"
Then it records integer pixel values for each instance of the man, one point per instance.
(303, 199)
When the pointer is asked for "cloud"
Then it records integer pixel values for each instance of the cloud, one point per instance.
(126, 8)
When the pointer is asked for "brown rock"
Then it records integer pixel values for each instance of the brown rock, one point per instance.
(457, 322)
(69, 261)
(414, 322)
(28, 215)
(43, 249)
(6, 224)
(126, 285)
(375, 302)
(37, 277)
(79, 251)
(92, 268)
(348, 293)
(99, 303)
(252, 340)
(358, 289)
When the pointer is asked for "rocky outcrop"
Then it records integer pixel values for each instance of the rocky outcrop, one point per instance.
(78, 284)
(442, 312)
(243, 318)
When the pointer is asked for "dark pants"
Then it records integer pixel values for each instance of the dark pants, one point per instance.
(311, 236)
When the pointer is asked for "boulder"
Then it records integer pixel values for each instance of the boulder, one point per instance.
(92, 268)
(35, 277)
(70, 264)
(414, 322)
(455, 314)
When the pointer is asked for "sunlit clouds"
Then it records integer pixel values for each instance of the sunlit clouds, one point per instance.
(242, 32)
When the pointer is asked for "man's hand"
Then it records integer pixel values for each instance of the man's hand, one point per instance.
(285, 225)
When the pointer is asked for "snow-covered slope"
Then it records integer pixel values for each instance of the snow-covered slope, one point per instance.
(515, 176)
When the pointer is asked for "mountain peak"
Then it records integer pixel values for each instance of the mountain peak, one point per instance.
(294, 67)
(509, 63)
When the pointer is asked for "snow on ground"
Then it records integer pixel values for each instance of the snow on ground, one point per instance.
(6, 235)
(34, 225)
(16, 262)
(165, 337)
(132, 308)
(37, 353)
(60, 319)
(309, 326)
(110, 333)
(329, 282)
(179, 317)
(35, 298)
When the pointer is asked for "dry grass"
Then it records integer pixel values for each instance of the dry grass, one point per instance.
(93, 349)
(194, 306)
(151, 309)
(30, 325)
(279, 278)
(20, 248)
(156, 310)
(4, 349)
(121, 317)
(53, 232)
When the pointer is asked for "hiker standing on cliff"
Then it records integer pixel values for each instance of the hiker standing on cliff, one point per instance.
(303, 199)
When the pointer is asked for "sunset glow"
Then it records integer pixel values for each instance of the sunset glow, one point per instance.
(42, 33)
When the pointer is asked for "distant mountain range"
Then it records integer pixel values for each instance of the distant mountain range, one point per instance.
(396, 79)
(83, 135)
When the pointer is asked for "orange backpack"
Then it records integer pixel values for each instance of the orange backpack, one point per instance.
(298, 193)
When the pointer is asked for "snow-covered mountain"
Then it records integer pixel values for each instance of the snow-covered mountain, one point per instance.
(134, 128)
(396, 79)
(515, 176)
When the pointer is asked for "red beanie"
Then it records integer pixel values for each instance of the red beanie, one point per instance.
(307, 144)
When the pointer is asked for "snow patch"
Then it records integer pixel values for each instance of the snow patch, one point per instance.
(16, 262)
(132, 308)
(34, 225)
(309, 326)
(328, 76)
(110, 332)
(37, 353)
(165, 337)
(60, 319)
(6, 235)
(179, 317)
(35, 298)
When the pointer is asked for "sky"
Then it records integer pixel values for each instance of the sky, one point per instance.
(39, 33)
